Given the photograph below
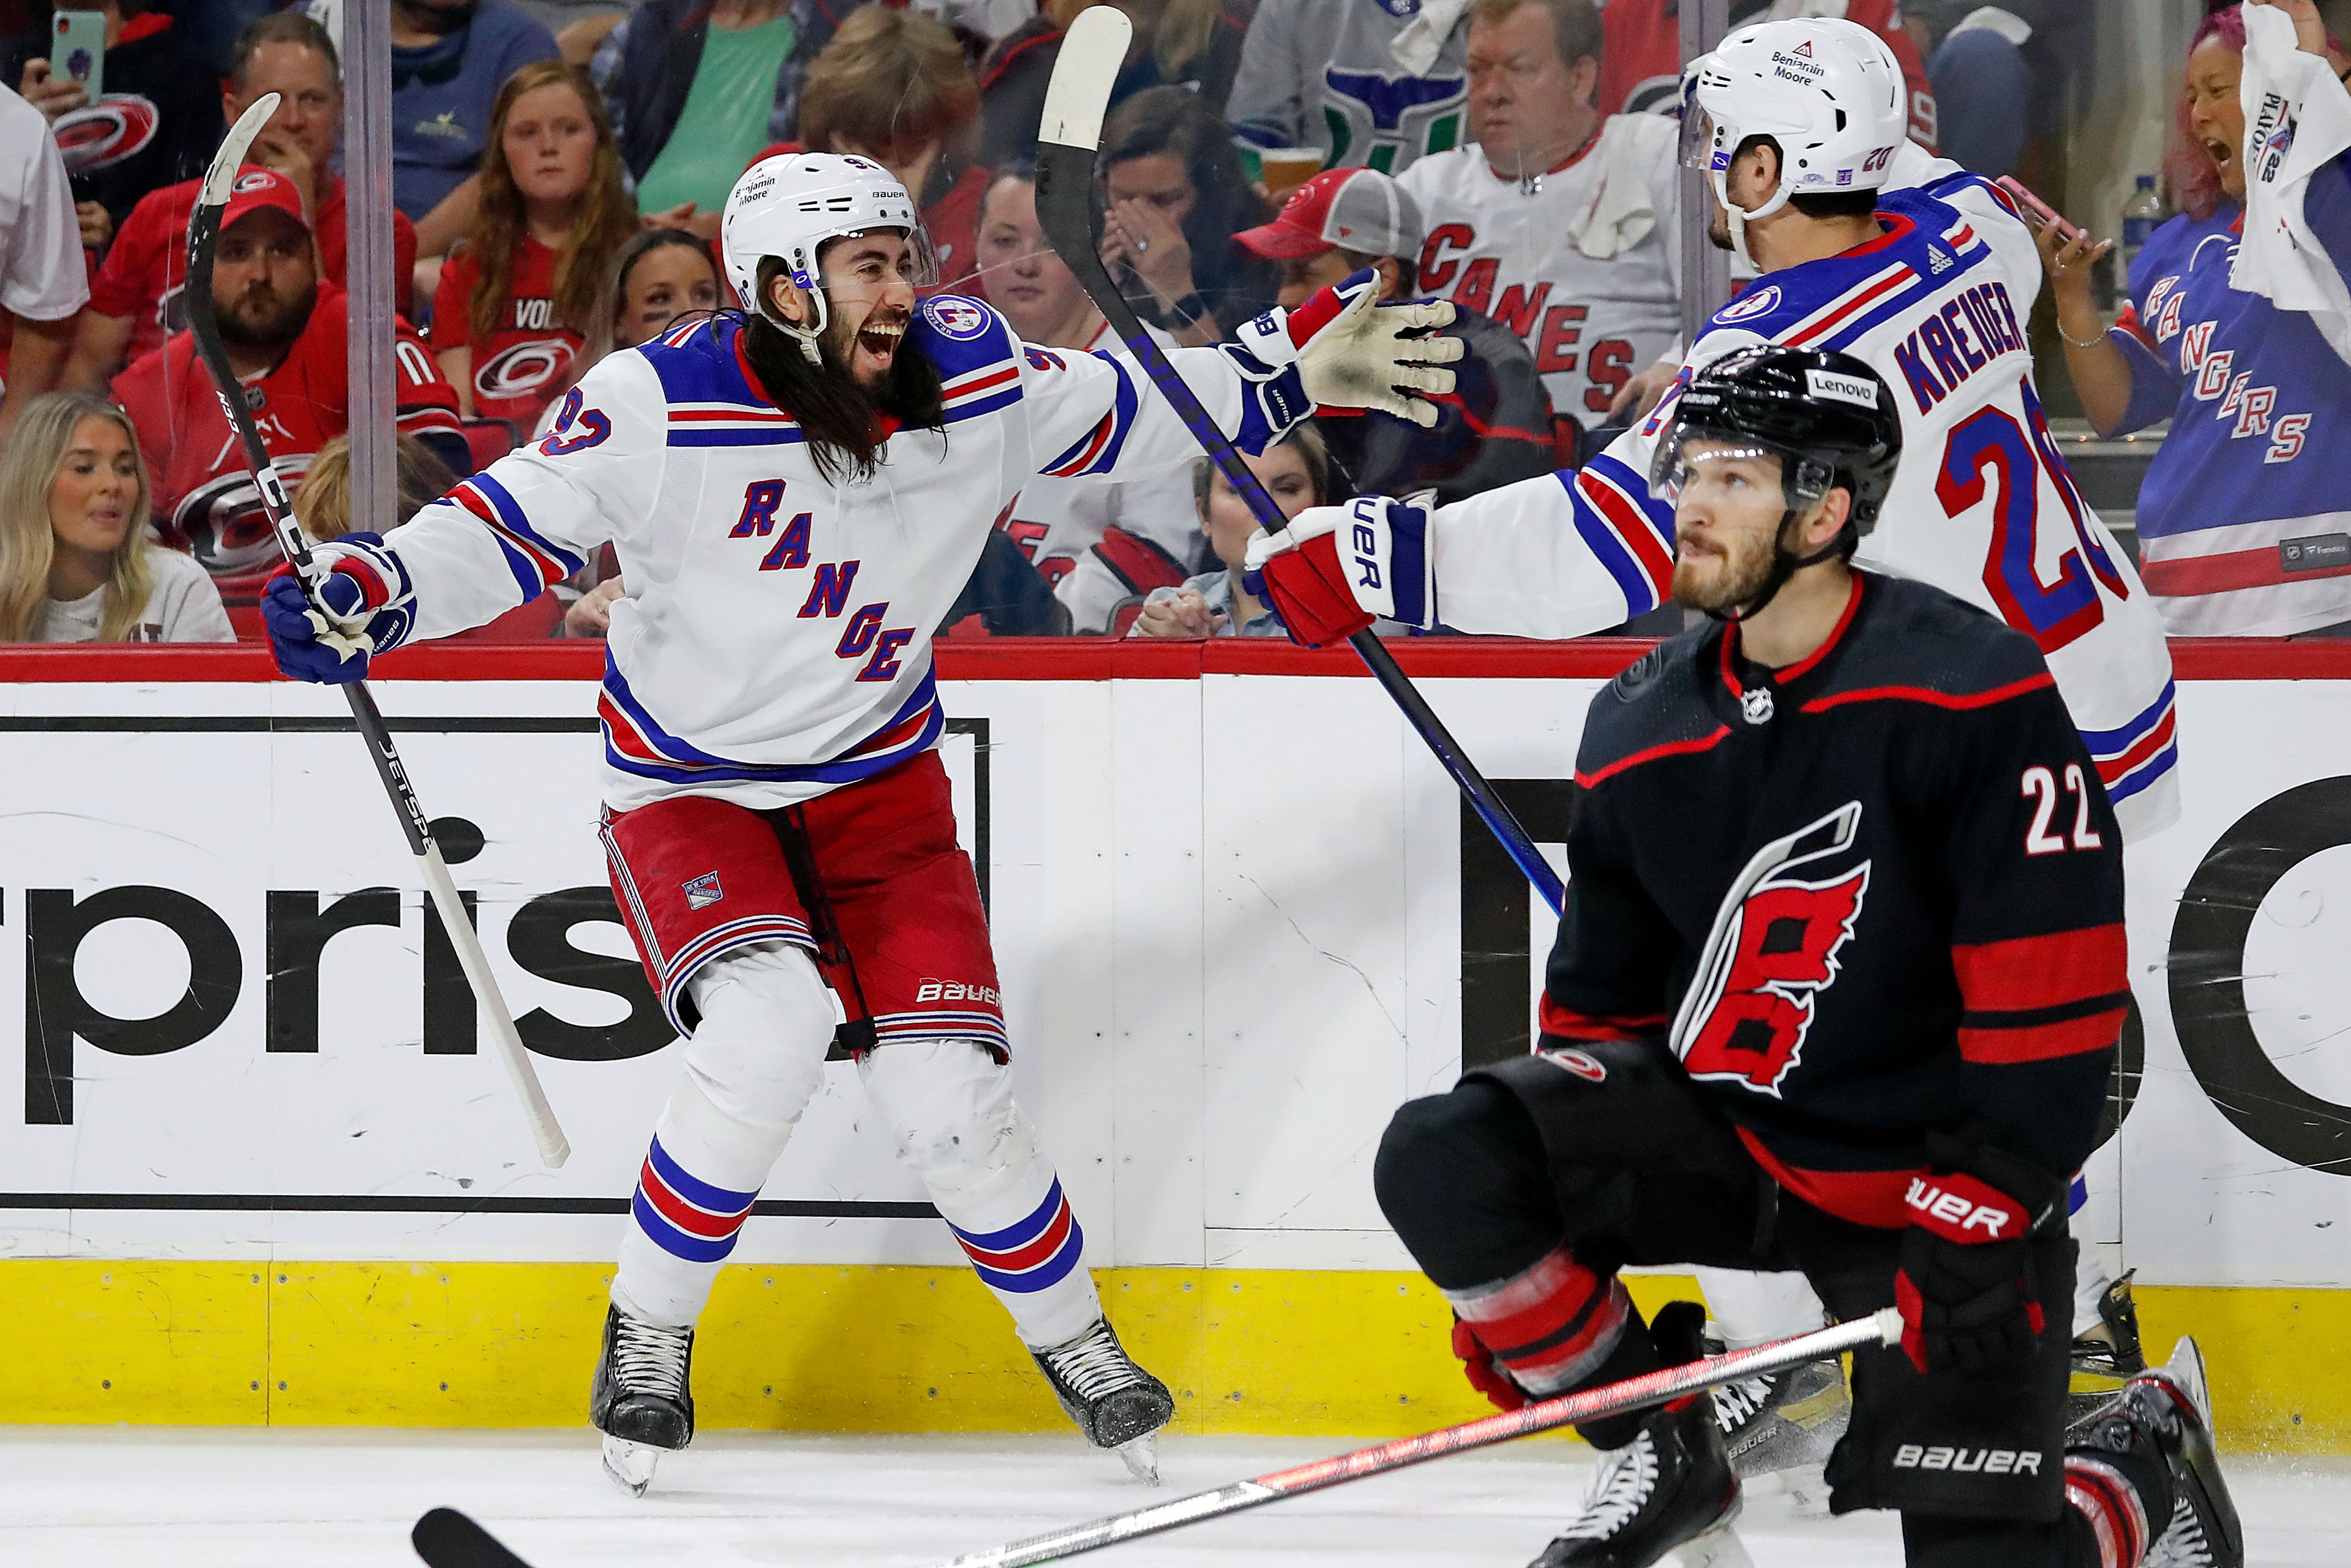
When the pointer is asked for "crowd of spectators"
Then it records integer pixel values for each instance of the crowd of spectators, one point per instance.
(560, 168)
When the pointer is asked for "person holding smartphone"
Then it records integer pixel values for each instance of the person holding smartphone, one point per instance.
(154, 121)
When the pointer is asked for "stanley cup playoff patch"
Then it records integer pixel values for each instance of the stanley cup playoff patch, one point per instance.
(703, 891)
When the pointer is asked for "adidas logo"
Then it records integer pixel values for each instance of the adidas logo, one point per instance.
(1937, 263)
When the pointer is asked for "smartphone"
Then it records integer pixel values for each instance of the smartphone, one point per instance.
(78, 51)
(2041, 210)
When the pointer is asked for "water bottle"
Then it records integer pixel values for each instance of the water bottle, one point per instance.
(2141, 213)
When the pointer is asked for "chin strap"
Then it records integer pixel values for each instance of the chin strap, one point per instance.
(1784, 565)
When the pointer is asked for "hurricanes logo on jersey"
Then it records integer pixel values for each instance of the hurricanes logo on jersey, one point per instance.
(1772, 952)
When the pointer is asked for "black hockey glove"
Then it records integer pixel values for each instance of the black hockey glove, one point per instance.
(1966, 1286)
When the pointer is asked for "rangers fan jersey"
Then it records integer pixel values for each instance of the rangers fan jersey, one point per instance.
(1321, 73)
(1983, 505)
(1875, 893)
(204, 496)
(775, 640)
(1584, 263)
(515, 369)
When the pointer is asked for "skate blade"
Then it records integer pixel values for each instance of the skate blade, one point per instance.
(631, 1465)
(1140, 1457)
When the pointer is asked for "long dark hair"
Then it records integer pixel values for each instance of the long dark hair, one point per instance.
(841, 419)
(1173, 120)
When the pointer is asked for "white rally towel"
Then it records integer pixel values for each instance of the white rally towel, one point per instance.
(2297, 121)
(1419, 41)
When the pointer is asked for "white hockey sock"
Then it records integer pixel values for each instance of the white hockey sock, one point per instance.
(949, 1104)
(753, 1065)
(1752, 1309)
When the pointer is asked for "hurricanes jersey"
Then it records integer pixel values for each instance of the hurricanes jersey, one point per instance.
(1319, 73)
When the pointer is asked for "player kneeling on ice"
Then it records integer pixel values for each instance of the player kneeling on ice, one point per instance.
(1836, 990)
(796, 494)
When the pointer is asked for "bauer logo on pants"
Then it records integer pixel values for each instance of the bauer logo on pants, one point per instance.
(703, 891)
(1988, 1461)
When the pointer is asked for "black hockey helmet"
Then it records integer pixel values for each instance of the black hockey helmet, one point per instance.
(1829, 418)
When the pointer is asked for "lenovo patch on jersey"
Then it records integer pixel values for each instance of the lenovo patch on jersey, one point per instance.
(703, 891)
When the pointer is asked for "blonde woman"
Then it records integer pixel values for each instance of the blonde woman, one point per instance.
(76, 563)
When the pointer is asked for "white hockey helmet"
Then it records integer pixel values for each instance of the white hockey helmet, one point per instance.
(1829, 91)
(788, 205)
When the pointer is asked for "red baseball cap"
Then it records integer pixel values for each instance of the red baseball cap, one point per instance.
(1361, 209)
(256, 188)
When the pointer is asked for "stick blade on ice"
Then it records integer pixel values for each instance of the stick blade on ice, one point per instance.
(447, 1539)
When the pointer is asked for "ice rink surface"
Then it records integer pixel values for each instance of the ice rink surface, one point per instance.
(181, 1498)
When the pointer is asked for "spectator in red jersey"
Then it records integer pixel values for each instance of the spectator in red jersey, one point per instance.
(892, 86)
(1641, 65)
(288, 339)
(157, 124)
(519, 297)
(76, 563)
(134, 300)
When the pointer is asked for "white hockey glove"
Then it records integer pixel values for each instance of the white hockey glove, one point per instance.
(1352, 352)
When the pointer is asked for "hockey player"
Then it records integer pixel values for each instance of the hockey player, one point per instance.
(1561, 220)
(1837, 989)
(796, 493)
(1800, 124)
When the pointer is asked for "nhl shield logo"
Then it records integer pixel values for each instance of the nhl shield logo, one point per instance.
(1755, 705)
(703, 891)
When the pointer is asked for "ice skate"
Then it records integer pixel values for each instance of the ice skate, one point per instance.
(1668, 1493)
(2106, 1356)
(2167, 1412)
(1116, 1404)
(1778, 1429)
(643, 1400)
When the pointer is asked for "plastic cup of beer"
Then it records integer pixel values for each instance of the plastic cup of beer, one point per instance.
(1286, 168)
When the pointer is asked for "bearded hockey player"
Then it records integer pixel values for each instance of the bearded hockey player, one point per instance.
(1801, 125)
(1837, 989)
(797, 495)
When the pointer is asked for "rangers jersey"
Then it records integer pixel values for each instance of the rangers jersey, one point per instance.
(775, 640)
(1584, 263)
(1982, 506)
(1056, 522)
(1869, 894)
(1323, 73)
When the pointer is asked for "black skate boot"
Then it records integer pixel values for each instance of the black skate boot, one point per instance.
(2108, 1355)
(1779, 1428)
(2164, 1414)
(643, 1398)
(1116, 1404)
(1669, 1491)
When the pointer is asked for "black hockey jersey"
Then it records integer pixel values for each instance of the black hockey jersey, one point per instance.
(1872, 893)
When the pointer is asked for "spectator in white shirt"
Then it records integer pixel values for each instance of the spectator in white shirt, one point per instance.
(76, 563)
(43, 283)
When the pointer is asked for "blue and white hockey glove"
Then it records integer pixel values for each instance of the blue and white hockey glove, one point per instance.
(368, 608)
(1352, 352)
(1335, 569)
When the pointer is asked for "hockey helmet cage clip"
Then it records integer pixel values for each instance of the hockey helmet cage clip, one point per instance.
(788, 206)
(1830, 419)
(1828, 91)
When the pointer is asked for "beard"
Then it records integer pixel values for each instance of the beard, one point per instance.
(1715, 583)
(263, 320)
(1718, 228)
(838, 410)
(837, 347)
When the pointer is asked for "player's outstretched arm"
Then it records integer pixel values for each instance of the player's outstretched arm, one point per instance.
(497, 540)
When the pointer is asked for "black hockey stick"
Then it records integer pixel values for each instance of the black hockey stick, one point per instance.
(204, 233)
(1091, 53)
(1884, 1327)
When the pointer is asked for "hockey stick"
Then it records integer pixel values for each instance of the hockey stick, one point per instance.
(203, 233)
(447, 1539)
(1091, 53)
(1882, 1327)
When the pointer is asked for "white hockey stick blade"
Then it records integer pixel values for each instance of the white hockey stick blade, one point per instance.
(1880, 1328)
(554, 1148)
(1078, 93)
(220, 178)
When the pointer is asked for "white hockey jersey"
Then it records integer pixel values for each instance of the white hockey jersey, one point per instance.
(1582, 262)
(1057, 522)
(1981, 507)
(775, 640)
